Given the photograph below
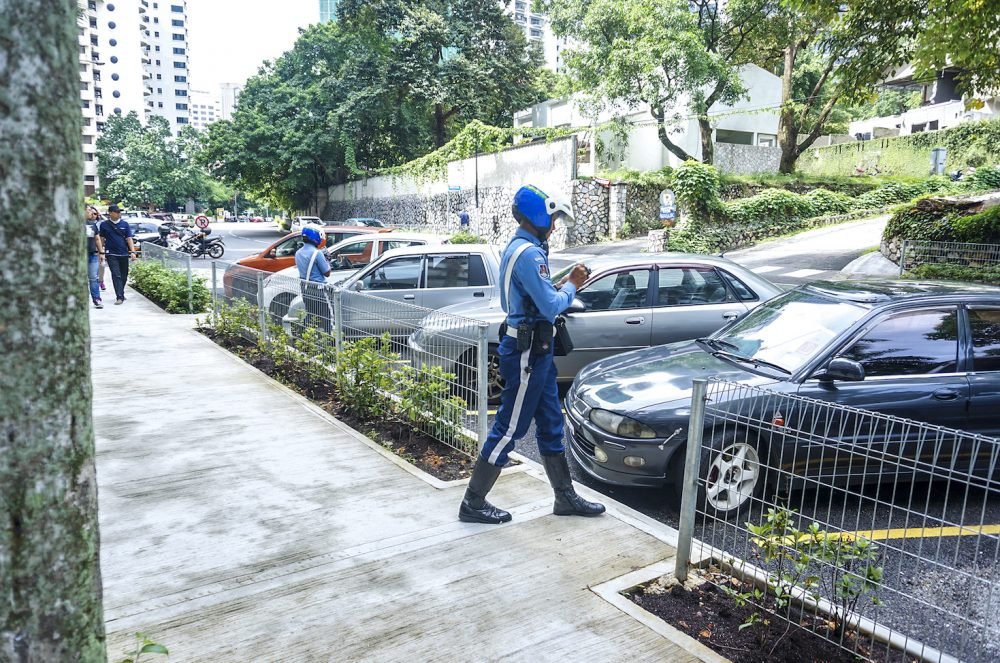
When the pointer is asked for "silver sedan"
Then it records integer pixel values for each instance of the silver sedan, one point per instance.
(629, 302)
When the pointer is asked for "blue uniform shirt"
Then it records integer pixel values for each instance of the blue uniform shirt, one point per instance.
(320, 266)
(531, 280)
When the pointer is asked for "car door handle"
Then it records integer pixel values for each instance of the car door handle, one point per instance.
(730, 315)
(945, 394)
(479, 294)
(634, 321)
(409, 297)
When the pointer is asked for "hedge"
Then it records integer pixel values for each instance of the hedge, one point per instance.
(168, 288)
(941, 220)
(988, 275)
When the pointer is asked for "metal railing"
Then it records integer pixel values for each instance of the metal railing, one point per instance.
(177, 261)
(845, 521)
(433, 365)
(916, 253)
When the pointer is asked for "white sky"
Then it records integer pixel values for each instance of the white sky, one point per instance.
(230, 39)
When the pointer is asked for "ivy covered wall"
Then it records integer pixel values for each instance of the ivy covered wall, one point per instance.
(970, 144)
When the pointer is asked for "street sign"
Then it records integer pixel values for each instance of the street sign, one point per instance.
(668, 205)
(454, 187)
(201, 221)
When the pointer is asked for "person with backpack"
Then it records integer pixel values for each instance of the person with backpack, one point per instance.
(119, 249)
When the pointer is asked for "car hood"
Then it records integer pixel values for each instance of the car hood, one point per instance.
(489, 311)
(641, 382)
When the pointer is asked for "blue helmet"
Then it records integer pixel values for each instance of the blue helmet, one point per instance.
(539, 209)
(314, 235)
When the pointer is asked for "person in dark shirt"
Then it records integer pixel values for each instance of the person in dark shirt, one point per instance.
(118, 249)
(95, 256)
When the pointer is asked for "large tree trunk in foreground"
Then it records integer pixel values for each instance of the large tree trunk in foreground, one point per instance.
(50, 585)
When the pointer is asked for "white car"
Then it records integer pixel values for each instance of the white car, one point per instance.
(299, 221)
(346, 258)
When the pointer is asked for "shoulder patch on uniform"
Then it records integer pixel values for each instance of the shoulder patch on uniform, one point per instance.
(543, 270)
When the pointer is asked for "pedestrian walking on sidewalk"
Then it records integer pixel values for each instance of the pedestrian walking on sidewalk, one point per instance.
(526, 350)
(119, 249)
(96, 216)
(463, 221)
(95, 256)
(313, 270)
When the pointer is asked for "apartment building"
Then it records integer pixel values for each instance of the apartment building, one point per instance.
(204, 109)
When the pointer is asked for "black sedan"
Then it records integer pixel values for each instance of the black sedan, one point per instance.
(928, 352)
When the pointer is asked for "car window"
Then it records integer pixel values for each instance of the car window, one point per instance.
(288, 247)
(910, 343)
(685, 286)
(351, 249)
(456, 271)
(400, 244)
(340, 236)
(743, 293)
(985, 323)
(620, 290)
(396, 274)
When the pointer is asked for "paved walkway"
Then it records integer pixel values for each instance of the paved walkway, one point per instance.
(239, 522)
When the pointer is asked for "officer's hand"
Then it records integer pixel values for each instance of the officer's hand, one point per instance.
(579, 275)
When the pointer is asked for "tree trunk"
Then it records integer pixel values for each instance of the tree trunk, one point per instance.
(661, 131)
(439, 122)
(788, 130)
(50, 603)
(707, 146)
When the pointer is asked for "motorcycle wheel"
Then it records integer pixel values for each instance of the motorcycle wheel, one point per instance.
(215, 251)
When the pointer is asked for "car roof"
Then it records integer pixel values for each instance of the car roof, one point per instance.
(394, 237)
(874, 293)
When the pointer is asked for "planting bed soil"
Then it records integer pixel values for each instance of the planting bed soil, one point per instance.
(710, 616)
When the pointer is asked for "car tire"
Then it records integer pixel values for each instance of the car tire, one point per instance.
(279, 306)
(733, 476)
(466, 369)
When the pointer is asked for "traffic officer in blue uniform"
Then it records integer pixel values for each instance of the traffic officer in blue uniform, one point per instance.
(532, 303)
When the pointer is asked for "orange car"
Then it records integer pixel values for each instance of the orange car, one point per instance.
(240, 281)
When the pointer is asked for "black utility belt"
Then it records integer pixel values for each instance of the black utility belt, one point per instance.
(534, 336)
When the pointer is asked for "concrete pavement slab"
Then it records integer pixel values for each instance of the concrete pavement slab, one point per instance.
(239, 522)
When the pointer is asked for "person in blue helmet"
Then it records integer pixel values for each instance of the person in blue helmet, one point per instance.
(313, 269)
(531, 303)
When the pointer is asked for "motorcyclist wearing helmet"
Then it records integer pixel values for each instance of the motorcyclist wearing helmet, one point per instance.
(532, 303)
(313, 269)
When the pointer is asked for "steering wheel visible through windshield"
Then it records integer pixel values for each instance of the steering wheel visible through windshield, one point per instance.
(791, 329)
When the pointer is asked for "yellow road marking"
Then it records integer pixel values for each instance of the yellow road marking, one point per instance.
(895, 533)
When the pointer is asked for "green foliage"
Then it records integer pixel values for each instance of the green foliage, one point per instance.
(935, 219)
(364, 375)
(828, 202)
(696, 186)
(234, 320)
(426, 400)
(465, 237)
(660, 179)
(145, 165)
(169, 288)
(989, 275)
(144, 645)
(985, 177)
(982, 228)
(773, 205)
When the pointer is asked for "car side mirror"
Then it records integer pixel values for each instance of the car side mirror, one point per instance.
(358, 286)
(576, 306)
(843, 370)
(272, 253)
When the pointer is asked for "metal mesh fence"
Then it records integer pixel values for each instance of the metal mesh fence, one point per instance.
(424, 368)
(916, 254)
(846, 521)
(173, 260)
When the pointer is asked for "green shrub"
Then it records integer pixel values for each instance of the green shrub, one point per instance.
(170, 289)
(465, 237)
(982, 228)
(987, 177)
(827, 203)
(988, 275)
(770, 206)
(364, 376)
(926, 219)
(696, 186)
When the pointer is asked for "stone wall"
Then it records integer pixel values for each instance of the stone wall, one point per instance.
(591, 201)
(732, 159)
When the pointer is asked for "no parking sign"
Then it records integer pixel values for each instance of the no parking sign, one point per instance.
(201, 221)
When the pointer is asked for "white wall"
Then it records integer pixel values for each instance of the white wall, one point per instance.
(948, 115)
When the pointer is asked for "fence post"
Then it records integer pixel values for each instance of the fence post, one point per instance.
(902, 258)
(215, 296)
(261, 310)
(689, 499)
(338, 319)
(482, 382)
(190, 285)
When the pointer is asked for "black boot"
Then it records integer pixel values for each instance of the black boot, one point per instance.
(568, 503)
(475, 508)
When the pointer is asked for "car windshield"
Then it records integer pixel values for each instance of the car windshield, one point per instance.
(791, 329)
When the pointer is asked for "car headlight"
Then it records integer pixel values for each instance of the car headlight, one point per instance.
(620, 425)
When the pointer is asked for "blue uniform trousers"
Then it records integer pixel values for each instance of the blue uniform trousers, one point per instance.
(527, 395)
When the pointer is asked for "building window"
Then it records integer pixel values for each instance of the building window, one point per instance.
(180, 93)
(113, 42)
(88, 178)
(88, 156)
(737, 137)
(157, 49)
(157, 63)
(160, 105)
(97, 92)
(178, 37)
(156, 34)
(159, 77)
(182, 120)
(84, 85)
(159, 90)
(111, 24)
(114, 77)
(93, 22)
(156, 20)
(85, 104)
(536, 33)
(111, 7)
(177, 23)
(180, 79)
(181, 106)
(177, 65)
(92, 5)
(100, 126)
(178, 51)
(114, 59)
(177, 9)
(118, 111)
(767, 140)
(116, 94)
(99, 110)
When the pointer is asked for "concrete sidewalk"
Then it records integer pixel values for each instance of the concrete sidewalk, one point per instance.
(239, 522)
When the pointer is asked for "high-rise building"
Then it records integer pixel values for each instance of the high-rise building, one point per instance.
(133, 57)
(230, 94)
(538, 31)
(327, 10)
(204, 109)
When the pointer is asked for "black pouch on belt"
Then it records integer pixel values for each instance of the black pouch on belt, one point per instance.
(564, 344)
(542, 341)
(524, 336)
